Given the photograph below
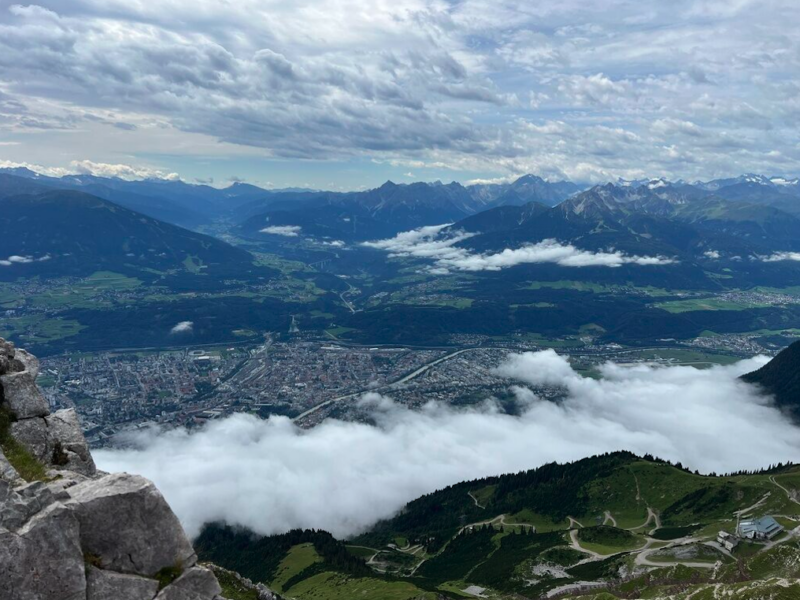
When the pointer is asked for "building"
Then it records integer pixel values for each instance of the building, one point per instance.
(764, 528)
(727, 540)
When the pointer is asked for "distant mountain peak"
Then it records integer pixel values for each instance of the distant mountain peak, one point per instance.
(528, 178)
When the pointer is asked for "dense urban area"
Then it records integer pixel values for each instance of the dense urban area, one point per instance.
(310, 380)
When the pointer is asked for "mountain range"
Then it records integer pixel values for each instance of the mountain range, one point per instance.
(717, 224)
(57, 232)
(674, 220)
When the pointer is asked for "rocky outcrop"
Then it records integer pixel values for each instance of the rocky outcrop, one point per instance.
(82, 534)
(107, 585)
(241, 584)
(197, 582)
(128, 526)
(56, 439)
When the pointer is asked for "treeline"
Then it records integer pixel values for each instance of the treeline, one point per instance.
(258, 557)
(553, 490)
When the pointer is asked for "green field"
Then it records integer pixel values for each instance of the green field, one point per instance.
(608, 540)
(695, 304)
(300, 557)
(38, 328)
(334, 586)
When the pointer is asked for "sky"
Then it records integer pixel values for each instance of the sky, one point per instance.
(345, 94)
(271, 476)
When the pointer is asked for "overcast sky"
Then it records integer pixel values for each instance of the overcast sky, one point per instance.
(348, 93)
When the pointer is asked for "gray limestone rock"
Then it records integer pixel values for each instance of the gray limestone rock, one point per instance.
(28, 362)
(43, 560)
(18, 505)
(32, 433)
(22, 396)
(197, 583)
(7, 352)
(56, 440)
(109, 585)
(67, 447)
(7, 471)
(126, 523)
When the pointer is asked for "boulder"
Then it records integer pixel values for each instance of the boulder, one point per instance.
(22, 396)
(7, 471)
(128, 526)
(18, 505)
(13, 512)
(108, 585)
(56, 440)
(25, 361)
(7, 352)
(43, 560)
(67, 448)
(197, 583)
(32, 433)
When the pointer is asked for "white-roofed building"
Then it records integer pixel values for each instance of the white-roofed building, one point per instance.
(764, 528)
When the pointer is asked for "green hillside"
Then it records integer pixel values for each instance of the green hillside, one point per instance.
(629, 526)
(781, 378)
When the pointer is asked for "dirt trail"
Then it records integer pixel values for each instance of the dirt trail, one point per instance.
(788, 493)
(761, 501)
(575, 545)
(475, 500)
(609, 518)
(573, 523)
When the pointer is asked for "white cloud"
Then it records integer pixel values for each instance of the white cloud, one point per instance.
(418, 82)
(49, 171)
(782, 256)
(16, 259)
(87, 167)
(183, 327)
(429, 243)
(121, 171)
(284, 230)
(712, 254)
(271, 476)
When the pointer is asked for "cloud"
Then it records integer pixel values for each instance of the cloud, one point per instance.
(782, 256)
(429, 243)
(121, 171)
(49, 171)
(272, 476)
(712, 254)
(183, 327)
(87, 167)
(285, 230)
(640, 87)
(16, 259)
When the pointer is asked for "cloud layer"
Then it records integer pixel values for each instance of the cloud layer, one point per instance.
(782, 256)
(284, 230)
(430, 243)
(691, 88)
(17, 259)
(271, 476)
